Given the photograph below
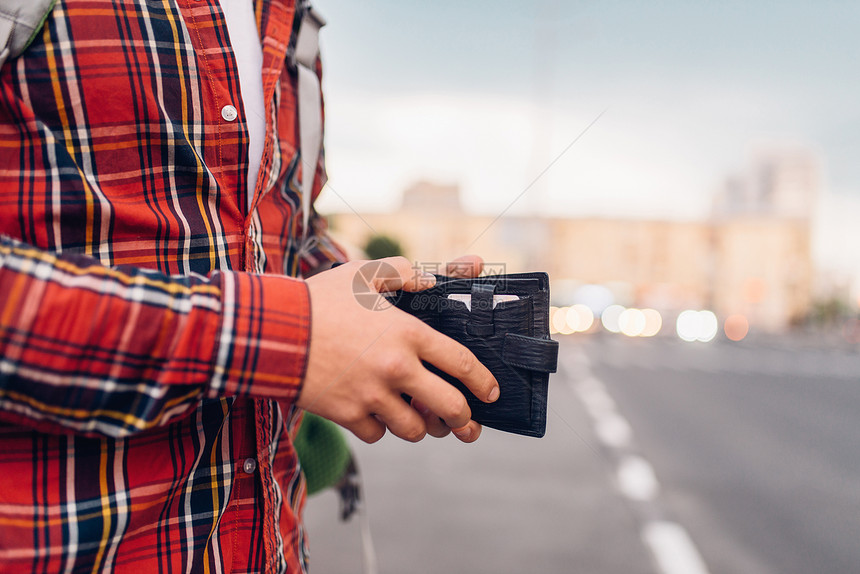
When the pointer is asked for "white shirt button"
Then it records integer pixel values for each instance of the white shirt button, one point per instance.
(249, 466)
(229, 113)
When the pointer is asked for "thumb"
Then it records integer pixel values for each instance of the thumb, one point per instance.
(465, 267)
(393, 273)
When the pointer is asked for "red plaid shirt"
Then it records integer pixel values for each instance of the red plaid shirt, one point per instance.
(147, 365)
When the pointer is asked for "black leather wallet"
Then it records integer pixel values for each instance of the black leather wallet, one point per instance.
(504, 321)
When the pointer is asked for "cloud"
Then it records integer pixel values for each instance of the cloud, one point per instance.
(636, 159)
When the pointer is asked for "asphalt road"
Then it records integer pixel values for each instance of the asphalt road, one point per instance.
(661, 457)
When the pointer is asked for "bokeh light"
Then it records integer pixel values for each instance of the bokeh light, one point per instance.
(584, 317)
(571, 319)
(558, 320)
(632, 322)
(687, 325)
(653, 322)
(553, 330)
(736, 327)
(568, 320)
(697, 326)
(609, 318)
(710, 326)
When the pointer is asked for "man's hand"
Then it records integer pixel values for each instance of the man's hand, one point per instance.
(365, 353)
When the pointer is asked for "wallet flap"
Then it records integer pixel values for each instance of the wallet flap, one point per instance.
(530, 353)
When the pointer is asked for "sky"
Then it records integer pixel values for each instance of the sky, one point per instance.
(627, 109)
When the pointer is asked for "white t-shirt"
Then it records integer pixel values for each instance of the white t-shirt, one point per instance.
(245, 40)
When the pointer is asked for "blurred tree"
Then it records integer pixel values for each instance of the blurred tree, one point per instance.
(830, 311)
(379, 246)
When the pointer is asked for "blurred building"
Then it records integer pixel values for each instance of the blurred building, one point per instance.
(753, 257)
(762, 268)
(777, 183)
(762, 250)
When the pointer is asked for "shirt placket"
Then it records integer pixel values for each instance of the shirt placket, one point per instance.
(225, 151)
(225, 154)
(275, 20)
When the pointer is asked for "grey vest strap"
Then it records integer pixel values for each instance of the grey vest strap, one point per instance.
(310, 106)
(20, 21)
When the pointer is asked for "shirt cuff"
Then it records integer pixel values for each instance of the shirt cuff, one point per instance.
(264, 337)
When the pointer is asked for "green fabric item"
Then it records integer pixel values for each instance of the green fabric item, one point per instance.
(323, 452)
(41, 23)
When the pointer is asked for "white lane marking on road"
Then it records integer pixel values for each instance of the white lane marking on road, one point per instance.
(610, 427)
(613, 430)
(596, 399)
(636, 479)
(673, 549)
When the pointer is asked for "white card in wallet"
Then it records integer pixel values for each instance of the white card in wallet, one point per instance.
(467, 299)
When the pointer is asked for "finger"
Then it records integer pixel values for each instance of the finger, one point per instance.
(465, 267)
(368, 429)
(436, 427)
(442, 398)
(458, 361)
(402, 420)
(469, 432)
(393, 273)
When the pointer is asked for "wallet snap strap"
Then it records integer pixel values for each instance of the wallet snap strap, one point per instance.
(531, 353)
(481, 316)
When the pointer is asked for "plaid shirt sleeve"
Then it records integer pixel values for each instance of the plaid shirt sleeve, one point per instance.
(151, 346)
(320, 250)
